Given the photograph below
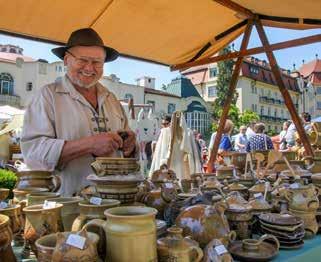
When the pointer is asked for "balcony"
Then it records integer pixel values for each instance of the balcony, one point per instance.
(270, 100)
(10, 100)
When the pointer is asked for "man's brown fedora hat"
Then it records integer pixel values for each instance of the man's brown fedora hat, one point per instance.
(85, 37)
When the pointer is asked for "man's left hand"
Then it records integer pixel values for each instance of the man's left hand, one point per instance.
(129, 142)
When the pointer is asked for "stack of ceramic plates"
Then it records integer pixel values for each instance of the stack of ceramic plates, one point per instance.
(288, 229)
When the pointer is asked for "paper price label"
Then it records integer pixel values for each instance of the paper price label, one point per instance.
(3, 205)
(286, 215)
(294, 186)
(220, 250)
(169, 185)
(258, 195)
(49, 204)
(76, 241)
(95, 201)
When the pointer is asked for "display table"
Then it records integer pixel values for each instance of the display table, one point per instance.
(310, 252)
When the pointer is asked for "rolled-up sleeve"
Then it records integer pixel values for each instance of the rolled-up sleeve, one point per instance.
(39, 144)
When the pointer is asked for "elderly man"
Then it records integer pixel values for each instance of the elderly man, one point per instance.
(74, 119)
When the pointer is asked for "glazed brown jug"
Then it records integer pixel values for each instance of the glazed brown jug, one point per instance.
(6, 252)
(130, 233)
(175, 247)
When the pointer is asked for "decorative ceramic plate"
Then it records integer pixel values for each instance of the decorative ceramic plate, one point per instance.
(280, 219)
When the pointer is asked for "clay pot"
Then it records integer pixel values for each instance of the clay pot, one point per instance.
(163, 175)
(21, 194)
(246, 180)
(46, 245)
(70, 210)
(130, 233)
(204, 223)
(90, 211)
(211, 255)
(37, 198)
(6, 252)
(176, 248)
(224, 172)
(235, 186)
(303, 198)
(260, 188)
(41, 222)
(104, 166)
(309, 220)
(16, 221)
(4, 193)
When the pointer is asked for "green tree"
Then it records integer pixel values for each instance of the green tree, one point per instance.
(247, 117)
(233, 114)
(225, 70)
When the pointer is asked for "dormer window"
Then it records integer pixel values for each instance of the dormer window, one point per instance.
(254, 69)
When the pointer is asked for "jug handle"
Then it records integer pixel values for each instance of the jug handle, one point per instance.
(286, 195)
(78, 223)
(199, 253)
(268, 236)
(317, 191)
(232, 236)
(57, 182)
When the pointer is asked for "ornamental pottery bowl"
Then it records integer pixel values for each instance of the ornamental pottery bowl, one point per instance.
(130, 233)
(70, 210)
(21, 194)
(104, 166)
(46, 245)
(5, 240)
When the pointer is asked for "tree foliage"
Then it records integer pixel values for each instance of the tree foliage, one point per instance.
(247, 117)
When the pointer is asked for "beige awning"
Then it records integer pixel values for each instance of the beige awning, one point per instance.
(164, 31)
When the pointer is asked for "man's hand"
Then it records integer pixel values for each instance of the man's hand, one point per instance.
(104, 144)
(129, 142)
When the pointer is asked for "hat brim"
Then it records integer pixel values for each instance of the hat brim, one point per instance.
(111, 54)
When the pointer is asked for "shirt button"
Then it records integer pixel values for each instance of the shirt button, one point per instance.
(95, 129)
(100, 120)
(106, 119)
(109, 129)
(93, 119)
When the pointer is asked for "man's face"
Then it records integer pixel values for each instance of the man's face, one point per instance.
(243, 130)
(165, 123)
(85, 65)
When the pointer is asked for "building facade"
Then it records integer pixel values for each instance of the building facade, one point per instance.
(21, 76)
(256, 87)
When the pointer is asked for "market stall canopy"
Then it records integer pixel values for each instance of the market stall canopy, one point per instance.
(168, 32)
(16, 123)
(11, 111)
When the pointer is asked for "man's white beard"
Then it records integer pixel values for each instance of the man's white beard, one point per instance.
(81, 84)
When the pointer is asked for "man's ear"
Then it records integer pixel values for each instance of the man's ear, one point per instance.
(65, 60)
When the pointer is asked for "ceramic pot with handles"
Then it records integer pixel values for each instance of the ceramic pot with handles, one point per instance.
(130, 233)
(174, 247)
(6, 252)
(303, 198)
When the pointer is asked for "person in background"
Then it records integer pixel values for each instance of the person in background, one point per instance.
(225, 143)
(166, 121)
(260, 141)
(250, 130)
(241, 140)
(282, 140)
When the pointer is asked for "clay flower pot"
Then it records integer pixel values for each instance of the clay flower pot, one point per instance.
(6, 252)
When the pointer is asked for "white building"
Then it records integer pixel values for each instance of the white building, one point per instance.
(21, 76)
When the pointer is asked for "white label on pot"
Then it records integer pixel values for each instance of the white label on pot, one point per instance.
(76, 241)
(3, 204)
(95, 201)
(220, 250)
(286, 215)
(49, 204)
(294, 186)
(169, 185)
(258, 195)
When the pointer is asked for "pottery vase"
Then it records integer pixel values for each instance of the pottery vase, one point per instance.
(6, 252)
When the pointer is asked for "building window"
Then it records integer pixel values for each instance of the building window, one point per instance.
(319, 90)
(275, 112)
(254, 107)
(319, 105)
(253, 87)
(254, 69)
(29, 86)
(213, 72)
(128, 96)
(42, 68)
(269, 111)
(262, 110)
(171, 108)
(150, 102)
(211, 91)
(6, 84)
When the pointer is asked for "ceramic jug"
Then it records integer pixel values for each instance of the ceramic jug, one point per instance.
(16, 221)
(303, 198)
(38, 198)
(175, 247)
(6, 252)
(40, 222)
(130, 233)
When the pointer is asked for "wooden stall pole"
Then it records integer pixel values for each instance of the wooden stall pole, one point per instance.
(285, 93)
(229, 96)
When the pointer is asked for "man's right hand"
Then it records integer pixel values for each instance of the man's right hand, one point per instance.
(105, 144)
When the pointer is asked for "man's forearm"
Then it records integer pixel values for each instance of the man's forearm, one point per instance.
(74, 149)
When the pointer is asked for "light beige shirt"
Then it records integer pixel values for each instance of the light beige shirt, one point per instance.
(59, 113)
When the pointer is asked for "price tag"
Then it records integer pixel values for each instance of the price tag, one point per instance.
(294, 186)
(169, 185)
(76, 241)
(95, 201)
(220, 250)
(3, 205)
(286, 215)
(258, 195)
(49, 204)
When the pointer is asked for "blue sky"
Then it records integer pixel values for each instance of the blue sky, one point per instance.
(128, 70)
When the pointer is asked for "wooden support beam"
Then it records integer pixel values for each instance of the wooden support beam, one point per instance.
(236, 7)
(229, 96)
(252, 51)
(285, 93)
